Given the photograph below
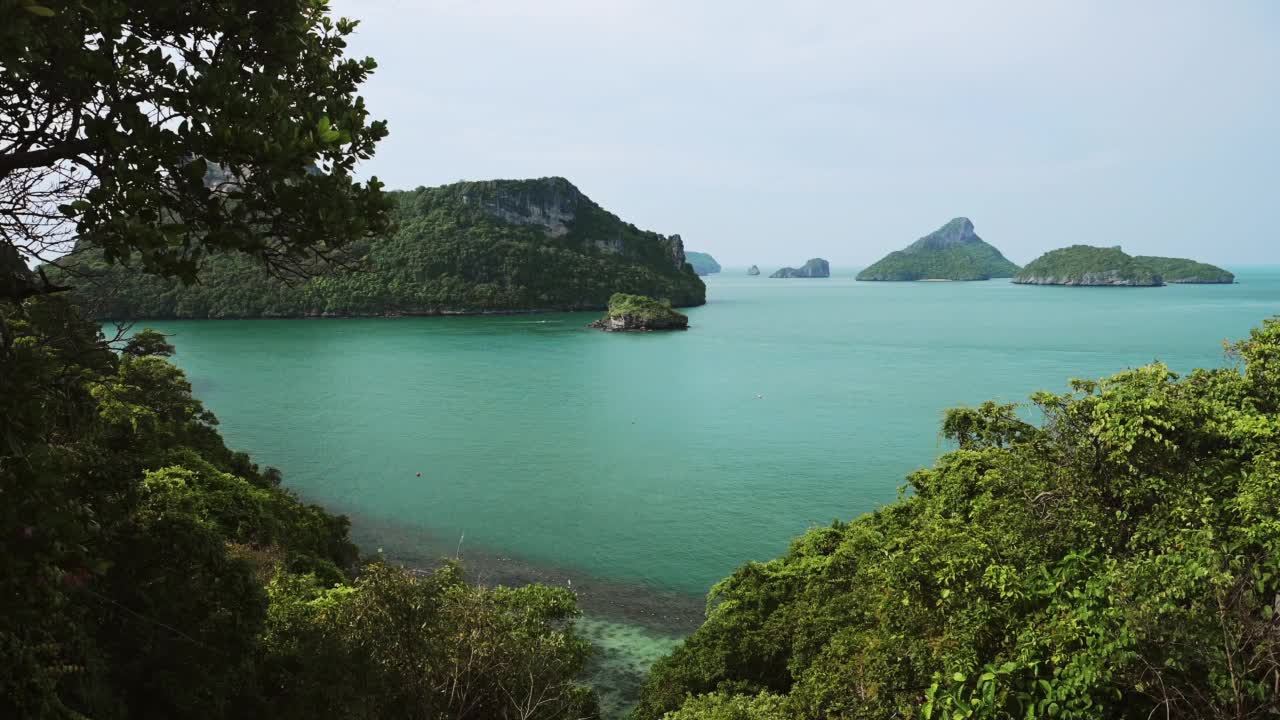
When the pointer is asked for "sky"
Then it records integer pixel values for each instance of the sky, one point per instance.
(772, 132)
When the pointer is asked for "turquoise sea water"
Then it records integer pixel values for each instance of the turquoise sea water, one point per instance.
(640, 469)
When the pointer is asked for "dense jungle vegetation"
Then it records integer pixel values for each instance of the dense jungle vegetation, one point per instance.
(467, 247)
(146, 571)
(1120, 558)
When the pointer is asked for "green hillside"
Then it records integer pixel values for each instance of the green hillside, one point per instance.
(472, 247)
(1180, 270)
(952, 252)
(1081, 265)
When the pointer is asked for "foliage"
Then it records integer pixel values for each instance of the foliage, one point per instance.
(702, 263)
(1117, 559)
(467, 247)
(147, 570)
(429, 647)
(951, 252)
(732, 707)
(1088, 265)
(160, 134)
(148, 342)
(1179, 270)
(642, 308)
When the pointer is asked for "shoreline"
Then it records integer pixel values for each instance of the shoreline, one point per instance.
(629, 625)
(377, 316)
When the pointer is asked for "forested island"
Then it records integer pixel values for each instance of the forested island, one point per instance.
(703, 264)
(1084, 265)
(753, 270)
(471, 247)
(1183, 271)
(815, 268)
(952, 252)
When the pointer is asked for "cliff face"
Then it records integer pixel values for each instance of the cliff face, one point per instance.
(473, 247)
(559, 208)
(551, 204)
(952, 252)
(815, 268)
(1116, 278)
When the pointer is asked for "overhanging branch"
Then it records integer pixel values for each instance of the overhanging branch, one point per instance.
(43, 157)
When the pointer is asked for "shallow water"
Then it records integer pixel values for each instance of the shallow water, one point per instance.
(640, 469)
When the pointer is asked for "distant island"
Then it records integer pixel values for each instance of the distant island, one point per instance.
(753, 270)
(703, 263)
(1189, 272)
(639, 313)
(815, 268)
(1086, 265)
(952, 252)
(471, 247)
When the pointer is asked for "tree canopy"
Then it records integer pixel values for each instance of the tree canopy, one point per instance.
(146, 570)
(160, 134)
(1116, 559)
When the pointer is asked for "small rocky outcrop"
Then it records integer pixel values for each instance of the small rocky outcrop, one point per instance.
(639, 313)
(815, 268)
(753, 270)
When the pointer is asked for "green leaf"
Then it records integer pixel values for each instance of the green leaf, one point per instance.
(40, 10)
(958, 677)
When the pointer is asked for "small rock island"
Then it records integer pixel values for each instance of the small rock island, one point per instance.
(815, 268)
(952, 252)
(753, 270)
(703, 263)
(1086, 265)
(639, 313)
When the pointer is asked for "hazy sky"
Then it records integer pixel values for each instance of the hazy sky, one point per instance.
(773, 132)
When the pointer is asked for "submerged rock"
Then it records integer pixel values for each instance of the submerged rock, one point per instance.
(753, 270)
(815, 268)
(640, 313)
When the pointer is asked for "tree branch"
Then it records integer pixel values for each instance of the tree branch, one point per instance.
(44, 157)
